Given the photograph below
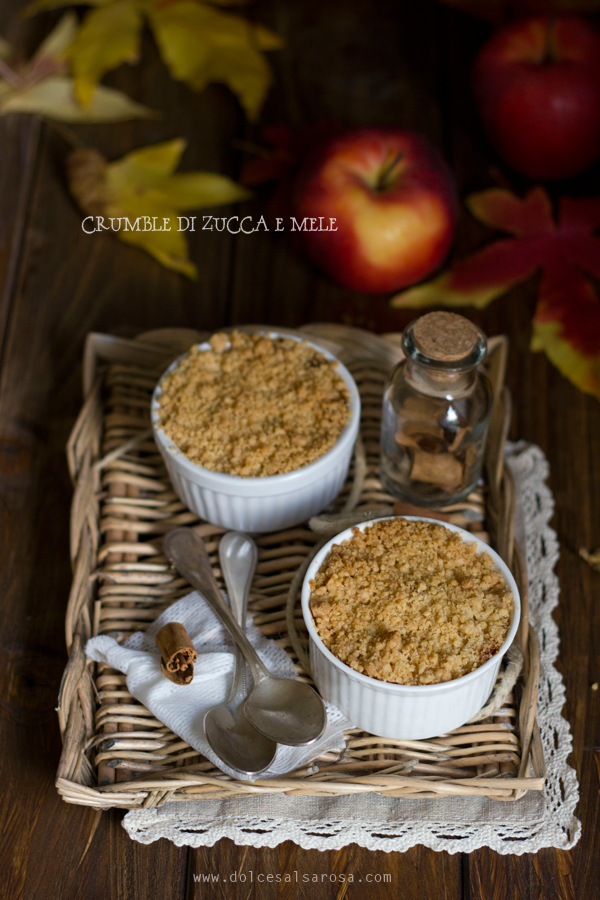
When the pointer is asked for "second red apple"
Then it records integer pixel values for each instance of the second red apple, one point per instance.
(394, 204)
(537, 85)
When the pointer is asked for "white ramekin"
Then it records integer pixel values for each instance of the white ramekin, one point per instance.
(407, 712)
(257, 505)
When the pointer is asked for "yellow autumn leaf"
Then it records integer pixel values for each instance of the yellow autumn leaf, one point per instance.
(583, 371)
(109, 36)
(143, 192)
(55, 98)
(51, 52)
(198, 42)
(43, 87)
(441, 291)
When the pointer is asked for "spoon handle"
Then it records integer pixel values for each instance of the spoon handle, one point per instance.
(238, 556)
(186, 551)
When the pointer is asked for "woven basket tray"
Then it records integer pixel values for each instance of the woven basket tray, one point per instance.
(115, 753)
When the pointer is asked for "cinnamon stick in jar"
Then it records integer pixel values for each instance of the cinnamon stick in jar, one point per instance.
(435, 414)
(178, 653)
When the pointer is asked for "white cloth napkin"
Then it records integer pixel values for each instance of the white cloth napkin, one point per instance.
(182, 708)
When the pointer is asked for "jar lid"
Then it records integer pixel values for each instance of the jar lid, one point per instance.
(445, 340)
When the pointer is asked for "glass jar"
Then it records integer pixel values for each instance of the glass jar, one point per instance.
(436, 411)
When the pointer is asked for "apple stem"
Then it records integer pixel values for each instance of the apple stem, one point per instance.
(386, 174)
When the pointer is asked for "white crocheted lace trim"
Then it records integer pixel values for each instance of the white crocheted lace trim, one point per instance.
(460, 825)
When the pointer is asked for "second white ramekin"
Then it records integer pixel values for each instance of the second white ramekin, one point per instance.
(258, 505)
(404, 712)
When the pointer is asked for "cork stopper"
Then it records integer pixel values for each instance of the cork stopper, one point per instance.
(444, 336)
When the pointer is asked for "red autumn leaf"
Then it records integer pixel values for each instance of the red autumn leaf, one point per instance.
(287, 151)
(273, 164)
(566, 324)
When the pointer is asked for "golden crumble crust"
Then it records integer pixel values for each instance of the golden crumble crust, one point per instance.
(410, 603)
(253, 405)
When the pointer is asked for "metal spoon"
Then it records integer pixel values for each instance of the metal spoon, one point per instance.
(227, 729)
(285, 710)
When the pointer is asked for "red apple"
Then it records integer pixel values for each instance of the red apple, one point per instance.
(537, 85)
(393, 201)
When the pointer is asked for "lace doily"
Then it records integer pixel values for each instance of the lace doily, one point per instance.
(456, 825)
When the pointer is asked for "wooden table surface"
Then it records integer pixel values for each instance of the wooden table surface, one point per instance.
(362, 63)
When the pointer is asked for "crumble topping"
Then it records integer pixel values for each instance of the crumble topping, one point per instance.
(410, 603)
(253, 405)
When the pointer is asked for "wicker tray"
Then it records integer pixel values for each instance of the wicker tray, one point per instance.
(115, 753)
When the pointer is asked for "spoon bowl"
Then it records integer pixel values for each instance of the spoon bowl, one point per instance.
(230, 734)
(236, 741)
(285, 710)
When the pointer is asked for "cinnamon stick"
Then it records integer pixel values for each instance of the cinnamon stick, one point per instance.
(178, 653)
(439, 469)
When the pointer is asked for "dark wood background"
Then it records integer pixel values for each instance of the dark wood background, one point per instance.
(362, 63)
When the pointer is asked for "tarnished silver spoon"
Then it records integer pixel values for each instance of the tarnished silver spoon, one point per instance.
(227, 729)
(285, 710)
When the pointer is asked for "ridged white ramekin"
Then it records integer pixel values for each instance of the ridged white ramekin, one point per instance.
(257, 505)
(408, 712)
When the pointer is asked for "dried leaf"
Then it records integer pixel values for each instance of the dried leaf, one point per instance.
(42, 86)
(198, 43)
(142, 186)
(566, 324)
